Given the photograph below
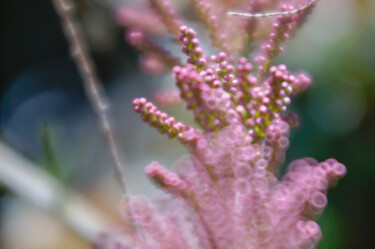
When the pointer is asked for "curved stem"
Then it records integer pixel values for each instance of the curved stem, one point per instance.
(271, 14)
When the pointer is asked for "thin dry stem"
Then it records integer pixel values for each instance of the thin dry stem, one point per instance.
(271, 14)
(92, 84)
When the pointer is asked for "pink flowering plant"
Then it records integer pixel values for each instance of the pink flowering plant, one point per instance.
(228, 193)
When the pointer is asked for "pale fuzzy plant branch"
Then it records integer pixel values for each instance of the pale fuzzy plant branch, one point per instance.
(272, 14)
(91, 81)
(27, 181)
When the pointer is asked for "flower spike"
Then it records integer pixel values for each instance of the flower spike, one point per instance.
(228, 192)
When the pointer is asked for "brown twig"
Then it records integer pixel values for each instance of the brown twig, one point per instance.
(91, 81)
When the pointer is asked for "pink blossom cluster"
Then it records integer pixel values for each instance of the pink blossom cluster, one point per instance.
(221, 93)
(227, 193)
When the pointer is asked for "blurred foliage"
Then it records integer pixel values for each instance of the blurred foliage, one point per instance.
(50, 161)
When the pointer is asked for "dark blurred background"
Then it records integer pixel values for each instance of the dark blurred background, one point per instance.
(45, 115)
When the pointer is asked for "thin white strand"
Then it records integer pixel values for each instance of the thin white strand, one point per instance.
(271, 14)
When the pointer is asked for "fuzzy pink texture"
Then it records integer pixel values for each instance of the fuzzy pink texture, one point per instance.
(139, 18)
(162, 57)
(168, 98)
(227, 193)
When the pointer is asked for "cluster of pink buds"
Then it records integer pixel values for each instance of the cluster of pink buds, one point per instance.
(227, 192)
(158, 119)
(280, 32)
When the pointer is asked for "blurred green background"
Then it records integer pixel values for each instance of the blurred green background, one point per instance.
(45, 115)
